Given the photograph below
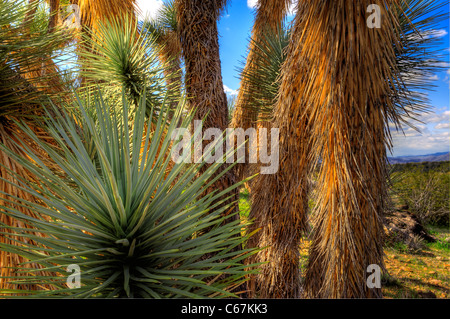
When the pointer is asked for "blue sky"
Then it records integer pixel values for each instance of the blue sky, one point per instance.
(234, 31)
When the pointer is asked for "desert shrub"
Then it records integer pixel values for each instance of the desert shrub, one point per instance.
(425, 193)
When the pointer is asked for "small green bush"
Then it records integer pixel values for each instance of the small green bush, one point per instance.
(425, 192)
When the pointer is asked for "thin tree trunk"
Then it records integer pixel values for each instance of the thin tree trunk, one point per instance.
(170, 56)
(32, 8)
(54, 15)
(279, 201)
(269, 16)
(197, 27)
(172, 75)
(10, 260)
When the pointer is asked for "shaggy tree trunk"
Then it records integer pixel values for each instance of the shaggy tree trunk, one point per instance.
(11, 196)
(54, 15)
(269, 16)
(197, 27)
(170, 56)
(279, 201)
(352, 73)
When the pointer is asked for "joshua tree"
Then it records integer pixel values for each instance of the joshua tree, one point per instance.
(409, 65)
(351, 99)
(130, 230)
(268, 20)
(264, 80)
(350, 133)
(197, 30)
(279, 201)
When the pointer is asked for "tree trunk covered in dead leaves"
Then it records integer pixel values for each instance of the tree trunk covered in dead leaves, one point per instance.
(197, 27)
(352, 72)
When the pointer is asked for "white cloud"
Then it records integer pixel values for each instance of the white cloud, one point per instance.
(420, 144)
(252, 3)
(433, 136)
(441, 64)
(434, 117)
(148, 8)
(292, 8)
(229, 91)
(427, 34)
(435, 34)
(442, 126)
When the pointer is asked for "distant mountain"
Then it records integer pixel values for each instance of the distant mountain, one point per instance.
(436, 157)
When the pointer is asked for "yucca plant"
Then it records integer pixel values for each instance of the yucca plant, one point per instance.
(117, 215)
(117, 56)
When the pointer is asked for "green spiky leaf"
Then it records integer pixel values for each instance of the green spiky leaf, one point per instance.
(130, 218)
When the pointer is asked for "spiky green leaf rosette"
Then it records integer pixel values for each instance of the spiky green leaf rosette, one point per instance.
(131, 222)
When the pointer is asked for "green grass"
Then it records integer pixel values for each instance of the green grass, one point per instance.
(400, 247)
(439, 245)
(418, 273)
(439, 230)
(244, 202)
(442, 235)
